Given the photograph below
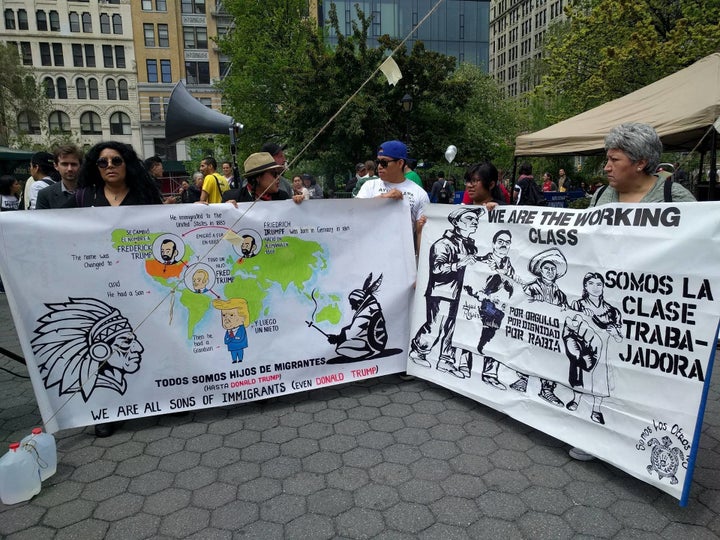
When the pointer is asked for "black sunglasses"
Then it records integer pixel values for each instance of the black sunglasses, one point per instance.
(103, 162)
(384, 162)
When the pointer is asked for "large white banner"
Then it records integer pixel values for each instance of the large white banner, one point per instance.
(137, 311)
(595, 326)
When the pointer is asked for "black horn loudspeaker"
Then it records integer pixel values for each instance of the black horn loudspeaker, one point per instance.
(186, 116)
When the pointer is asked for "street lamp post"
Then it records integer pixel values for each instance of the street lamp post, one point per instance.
(407, 104)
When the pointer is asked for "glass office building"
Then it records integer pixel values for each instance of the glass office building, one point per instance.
(458, 28)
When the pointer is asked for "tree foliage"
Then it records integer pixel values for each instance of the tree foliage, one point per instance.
(18, 92)
(298, 83)
(609, 48)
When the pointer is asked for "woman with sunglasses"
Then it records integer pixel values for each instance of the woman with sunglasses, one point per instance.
(113, 175)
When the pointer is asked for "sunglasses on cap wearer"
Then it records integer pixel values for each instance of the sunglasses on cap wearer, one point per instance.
(275, 173)
(384, 162)
(104, 162)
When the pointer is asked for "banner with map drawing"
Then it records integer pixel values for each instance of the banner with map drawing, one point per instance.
(134, 311)
(595, 326)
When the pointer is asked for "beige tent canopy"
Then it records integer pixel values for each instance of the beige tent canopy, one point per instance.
(681, 107)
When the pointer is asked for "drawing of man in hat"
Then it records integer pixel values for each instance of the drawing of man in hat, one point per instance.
(549, 266)
(449, 256)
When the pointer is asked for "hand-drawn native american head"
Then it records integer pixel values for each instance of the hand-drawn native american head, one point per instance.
(84, 344)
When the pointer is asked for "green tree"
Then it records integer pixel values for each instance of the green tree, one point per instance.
(609, 48)
(18, 92)
(268, 50)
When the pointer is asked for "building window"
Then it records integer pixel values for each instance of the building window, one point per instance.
(90, 123)
(146, 5)
(62, 88)
(165, 71)
(49, 85)
(74, 22)
(26, 53)
(111, 89)
(192, 6)
(41, 20)
(161, 5)
(123, 89)
(149, 33)
(163, 35)
(45, 59)
(120, 56)
(23, 23)
(28, 123)
(81, 89)
(195, 37)
(104, 23)
(108, 59)
(90, 55)
(152, 71)
(77, 52)
(120, 124)
(197, 72)
(155, 109)
(117, 24)
(93, 88)
(54, 21)
(59, 122)
(9, 19)
(87, 23)
(58, 54)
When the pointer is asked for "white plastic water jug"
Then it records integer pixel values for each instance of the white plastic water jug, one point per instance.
(42, 447)
(19, 477)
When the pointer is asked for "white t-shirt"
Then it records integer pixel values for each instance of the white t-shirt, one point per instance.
(8, 202)
(413, 195)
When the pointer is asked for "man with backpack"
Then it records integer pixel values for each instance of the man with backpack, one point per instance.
(527, 192)
(442, 191)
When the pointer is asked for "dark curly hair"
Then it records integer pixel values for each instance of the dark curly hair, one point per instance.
(137, 178)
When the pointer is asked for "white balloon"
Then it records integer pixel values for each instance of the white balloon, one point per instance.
(450, 153)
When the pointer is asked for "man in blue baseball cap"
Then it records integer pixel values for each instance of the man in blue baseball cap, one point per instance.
(392, 184)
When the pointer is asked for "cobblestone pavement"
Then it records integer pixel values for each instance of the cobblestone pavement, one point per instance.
(382, 458)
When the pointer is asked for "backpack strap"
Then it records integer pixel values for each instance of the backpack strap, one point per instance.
(599, 193)
(217, 181)
(667, 189)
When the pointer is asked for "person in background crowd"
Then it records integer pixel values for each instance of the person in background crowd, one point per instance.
(42, 170)
(298, 188)
(277, 151)
(410, 174)
(564, 183)
(214, 184)
(262, 174)
(548, 184)
(68, 158)
(9, 191)
(633, 153)
(481, 183)
(316, 191)
(369, 175)
(360, 172)
(443, 190)
(188, 193)
(227, 170)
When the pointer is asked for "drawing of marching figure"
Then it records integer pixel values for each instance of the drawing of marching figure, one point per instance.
(84, 344)
(366, 336)
(491, 314)
(235, 316)
(586, 349)
(547, 266)
(449, 256)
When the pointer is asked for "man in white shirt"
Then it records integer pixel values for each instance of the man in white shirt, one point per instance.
(392, 184)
